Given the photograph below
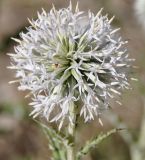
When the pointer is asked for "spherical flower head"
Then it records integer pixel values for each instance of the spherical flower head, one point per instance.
(69, 57)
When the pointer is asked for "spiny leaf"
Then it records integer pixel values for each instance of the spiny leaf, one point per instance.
(57, 142)
(94, 142)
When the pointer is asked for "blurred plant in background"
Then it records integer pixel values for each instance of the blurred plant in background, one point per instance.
(140, 11)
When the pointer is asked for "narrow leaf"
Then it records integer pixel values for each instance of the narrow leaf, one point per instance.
(94, 142)
(57, 142)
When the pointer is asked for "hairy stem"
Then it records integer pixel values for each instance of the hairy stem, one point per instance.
(137, 150)
(71, 133)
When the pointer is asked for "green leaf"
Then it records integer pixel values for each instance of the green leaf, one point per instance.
(94, 142)
(57, 142)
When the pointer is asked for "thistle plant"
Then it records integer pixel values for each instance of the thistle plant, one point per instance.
(72, 63)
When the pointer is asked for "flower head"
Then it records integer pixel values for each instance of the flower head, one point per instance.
(68, 57)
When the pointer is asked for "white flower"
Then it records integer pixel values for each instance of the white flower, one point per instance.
(139, 6)
(68, 57)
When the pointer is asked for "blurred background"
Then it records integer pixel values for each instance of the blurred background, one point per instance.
(21, 138)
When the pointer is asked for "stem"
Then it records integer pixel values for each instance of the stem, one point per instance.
(137, 150)
(71, 134)
(142, 130)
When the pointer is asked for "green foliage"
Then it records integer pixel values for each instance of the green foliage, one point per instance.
(94, 142)
(57, 142)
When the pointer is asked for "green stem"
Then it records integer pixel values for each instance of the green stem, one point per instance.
(71, 134)
(138, 148)
(142, 130)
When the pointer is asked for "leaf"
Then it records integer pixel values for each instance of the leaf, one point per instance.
(57, 142)
(94, 142)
